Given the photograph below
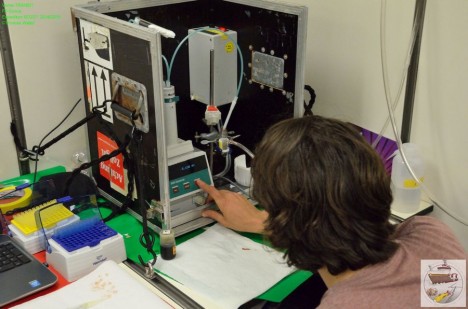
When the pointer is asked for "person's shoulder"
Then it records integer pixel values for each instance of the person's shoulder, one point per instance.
(422, 223)
(426, 220)
(430, 235)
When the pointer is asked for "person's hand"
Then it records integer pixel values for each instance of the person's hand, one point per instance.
(236, 212)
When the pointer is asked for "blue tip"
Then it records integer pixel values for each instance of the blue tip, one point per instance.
(64, 199)
(24, 185)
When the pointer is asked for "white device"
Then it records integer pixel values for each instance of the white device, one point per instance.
(34, 242)
(213, 66)
(76, 264)
(184, 193)
(78, 249)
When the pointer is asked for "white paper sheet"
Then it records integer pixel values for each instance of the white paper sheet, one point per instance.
(225, 267)
(108, 286)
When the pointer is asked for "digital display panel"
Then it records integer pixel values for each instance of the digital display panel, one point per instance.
(187, 167)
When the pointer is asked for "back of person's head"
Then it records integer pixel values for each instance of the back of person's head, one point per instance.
(327, 193)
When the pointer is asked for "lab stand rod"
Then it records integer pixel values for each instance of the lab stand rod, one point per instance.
(12, 91)
(408, 107)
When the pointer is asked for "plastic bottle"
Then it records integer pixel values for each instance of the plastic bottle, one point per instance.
(167, 244)
(406, 190)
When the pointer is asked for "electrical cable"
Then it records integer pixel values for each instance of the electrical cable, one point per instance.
(17, 141)
(147, 239)
(128, 162)
(308, 106)
(395, 129)
(36, 159)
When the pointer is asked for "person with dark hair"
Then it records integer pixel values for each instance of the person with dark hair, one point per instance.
(326, 201)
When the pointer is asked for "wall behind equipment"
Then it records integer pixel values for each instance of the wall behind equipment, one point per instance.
(8, 164)
(343, 66)
(47, 69)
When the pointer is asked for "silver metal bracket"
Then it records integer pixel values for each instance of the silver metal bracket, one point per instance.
(132, 96)
(155, 210)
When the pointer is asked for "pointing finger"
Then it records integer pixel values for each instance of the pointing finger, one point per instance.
(212, 191)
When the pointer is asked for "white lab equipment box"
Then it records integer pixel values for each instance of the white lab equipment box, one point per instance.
(213, 66)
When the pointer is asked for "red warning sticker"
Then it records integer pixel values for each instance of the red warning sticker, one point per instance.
(111, 169)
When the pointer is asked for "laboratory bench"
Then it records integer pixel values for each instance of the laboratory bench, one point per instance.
(293, 289)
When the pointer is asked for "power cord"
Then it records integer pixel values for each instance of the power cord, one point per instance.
(308, 106)
(36, 158)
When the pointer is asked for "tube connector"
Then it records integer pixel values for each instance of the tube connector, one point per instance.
(223, 144)
(169, 94)
(212, 115)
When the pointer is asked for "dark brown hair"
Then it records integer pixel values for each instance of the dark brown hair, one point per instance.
(327, 194)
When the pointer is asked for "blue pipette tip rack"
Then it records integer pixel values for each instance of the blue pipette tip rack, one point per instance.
(85, 233)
